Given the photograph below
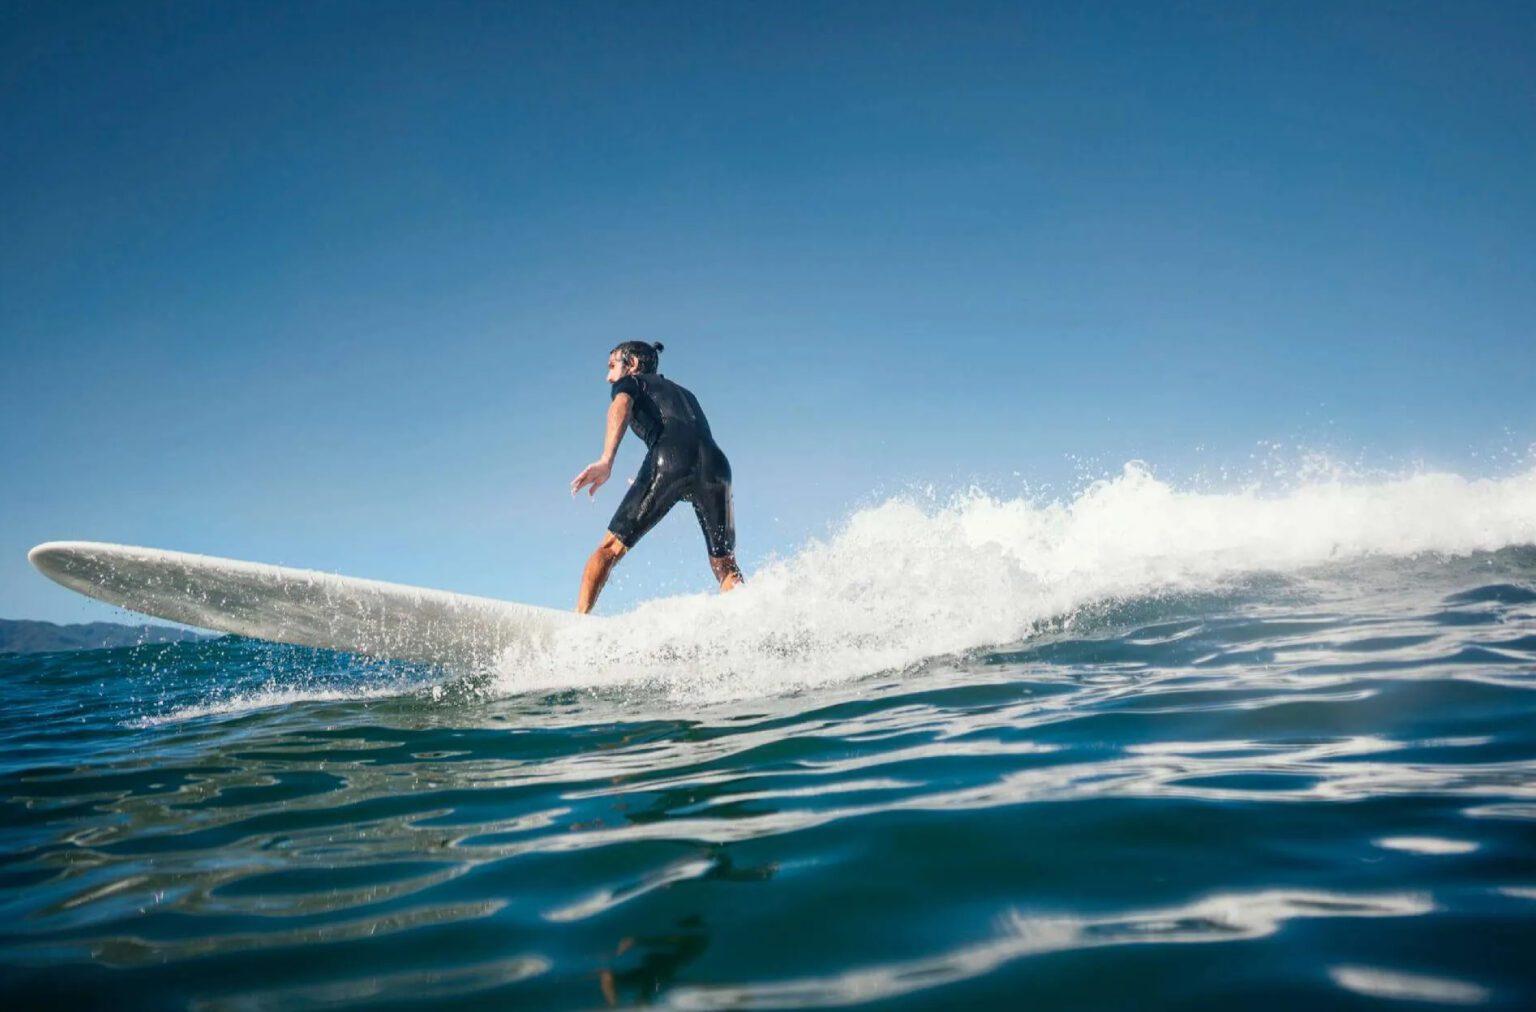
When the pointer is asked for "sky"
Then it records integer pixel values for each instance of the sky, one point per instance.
(333, 284)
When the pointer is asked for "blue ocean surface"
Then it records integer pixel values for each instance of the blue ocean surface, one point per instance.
(1260, 775)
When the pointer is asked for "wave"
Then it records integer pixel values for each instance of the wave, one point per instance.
(236, 703)
(906, 581)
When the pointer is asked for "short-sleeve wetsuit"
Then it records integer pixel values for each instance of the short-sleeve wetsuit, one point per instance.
(681, 462)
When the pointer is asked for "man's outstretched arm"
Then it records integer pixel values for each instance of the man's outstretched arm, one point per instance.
(597, 472)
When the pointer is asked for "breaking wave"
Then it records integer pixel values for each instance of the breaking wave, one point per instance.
(906, 581)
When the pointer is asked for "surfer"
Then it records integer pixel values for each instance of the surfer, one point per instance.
(681, 462)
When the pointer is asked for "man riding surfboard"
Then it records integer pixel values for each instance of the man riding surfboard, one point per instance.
(681, 462)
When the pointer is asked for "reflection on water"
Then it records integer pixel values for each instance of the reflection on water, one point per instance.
(1058, 821)
(1379, 983)
(1224, 918)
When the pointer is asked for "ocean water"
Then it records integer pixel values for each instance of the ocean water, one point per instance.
(1142, 748)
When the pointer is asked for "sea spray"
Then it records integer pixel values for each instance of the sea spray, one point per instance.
(904, 581)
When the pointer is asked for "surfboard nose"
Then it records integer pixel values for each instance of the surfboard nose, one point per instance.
(53, 557)
(44, 555)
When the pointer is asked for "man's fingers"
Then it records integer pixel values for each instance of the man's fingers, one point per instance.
(588, 476)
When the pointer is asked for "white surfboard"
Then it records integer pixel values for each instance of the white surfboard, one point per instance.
(301, 606)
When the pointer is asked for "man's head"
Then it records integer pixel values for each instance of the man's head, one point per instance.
(632, 357)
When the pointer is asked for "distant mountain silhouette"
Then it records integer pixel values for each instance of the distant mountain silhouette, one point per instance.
(22, 636)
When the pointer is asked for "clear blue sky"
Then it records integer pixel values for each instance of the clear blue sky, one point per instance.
(332, 284)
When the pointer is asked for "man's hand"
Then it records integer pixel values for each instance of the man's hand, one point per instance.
(594, 474)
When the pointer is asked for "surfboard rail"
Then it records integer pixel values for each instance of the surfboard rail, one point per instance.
(300, 606)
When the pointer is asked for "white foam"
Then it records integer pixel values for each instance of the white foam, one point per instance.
(269, 696)
(906, 581)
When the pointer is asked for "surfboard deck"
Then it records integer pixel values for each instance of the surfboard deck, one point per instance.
(300, 606)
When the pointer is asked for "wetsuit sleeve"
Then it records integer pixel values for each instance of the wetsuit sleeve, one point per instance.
(626, 385)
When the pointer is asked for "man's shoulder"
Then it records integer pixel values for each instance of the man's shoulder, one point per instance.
(646, 383)
(656, 381)
(665, 383)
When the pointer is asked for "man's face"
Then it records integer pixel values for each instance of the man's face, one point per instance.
(615, 367)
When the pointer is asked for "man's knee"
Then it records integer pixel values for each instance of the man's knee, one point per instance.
(611, 547)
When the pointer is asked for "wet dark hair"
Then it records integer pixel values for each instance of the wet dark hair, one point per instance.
(644, 354)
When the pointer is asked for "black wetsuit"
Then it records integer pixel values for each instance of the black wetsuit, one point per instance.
(681, 462)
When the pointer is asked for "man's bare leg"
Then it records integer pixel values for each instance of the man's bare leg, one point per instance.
(609, 551)
(726, 571)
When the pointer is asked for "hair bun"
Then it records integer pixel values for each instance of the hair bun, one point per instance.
(659, 347)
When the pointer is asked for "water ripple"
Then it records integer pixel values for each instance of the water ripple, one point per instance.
(1069, 820)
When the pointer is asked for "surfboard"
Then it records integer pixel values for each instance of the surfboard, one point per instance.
(300, 606)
